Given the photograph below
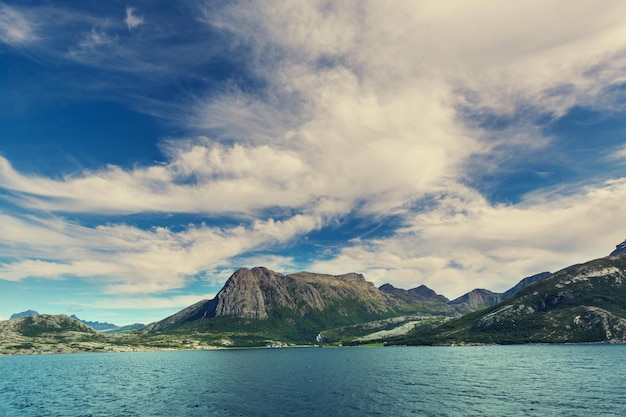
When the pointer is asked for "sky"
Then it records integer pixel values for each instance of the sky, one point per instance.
(149, 149)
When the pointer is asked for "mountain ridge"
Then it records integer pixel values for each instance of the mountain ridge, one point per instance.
(581, 303)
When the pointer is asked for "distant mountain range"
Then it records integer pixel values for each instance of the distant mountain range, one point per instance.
(96, 325)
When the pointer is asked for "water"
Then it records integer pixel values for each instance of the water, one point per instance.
(553, 380)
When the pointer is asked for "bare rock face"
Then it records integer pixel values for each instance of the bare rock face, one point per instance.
(256, 293)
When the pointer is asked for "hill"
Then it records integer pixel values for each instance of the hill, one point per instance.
(581, 303)
(43, 333)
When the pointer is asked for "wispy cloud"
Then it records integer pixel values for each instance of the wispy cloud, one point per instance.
(97, 38)
(132, 20)
(619, 153)
(16, 29)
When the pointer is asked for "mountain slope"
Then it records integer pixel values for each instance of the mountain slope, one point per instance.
(581, 303)
(524, 283)
(258, 304)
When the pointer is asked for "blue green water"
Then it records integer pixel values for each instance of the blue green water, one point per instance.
(533, 380)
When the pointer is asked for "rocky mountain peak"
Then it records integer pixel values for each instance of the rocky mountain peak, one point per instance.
(423, 291)
(477, 299)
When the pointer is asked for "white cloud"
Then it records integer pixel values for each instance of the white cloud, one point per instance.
(464, 242)
(132, 20)
(16, 29)
(619, 153)
(146, 302)
(365, 109)
(128, 260)
(97, 38)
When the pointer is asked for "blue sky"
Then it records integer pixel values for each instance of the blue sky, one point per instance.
(149, 149)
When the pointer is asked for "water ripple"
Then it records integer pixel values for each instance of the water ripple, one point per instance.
(565, 380)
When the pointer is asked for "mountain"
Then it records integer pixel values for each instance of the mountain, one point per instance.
(422, 298)
(258, 305)
(261, 307)
(43, 333)
(425, 293)
(479, 298)
(476, 299)
(581, 303)
(421, 293)
(48, 324)
(27, 313)
(524, 283)
(96, 325)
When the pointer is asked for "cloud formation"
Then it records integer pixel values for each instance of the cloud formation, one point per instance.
(375, 110)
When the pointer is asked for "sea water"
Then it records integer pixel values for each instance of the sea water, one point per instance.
(528, 380)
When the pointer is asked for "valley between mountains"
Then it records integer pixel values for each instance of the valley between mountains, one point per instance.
(261, 308)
